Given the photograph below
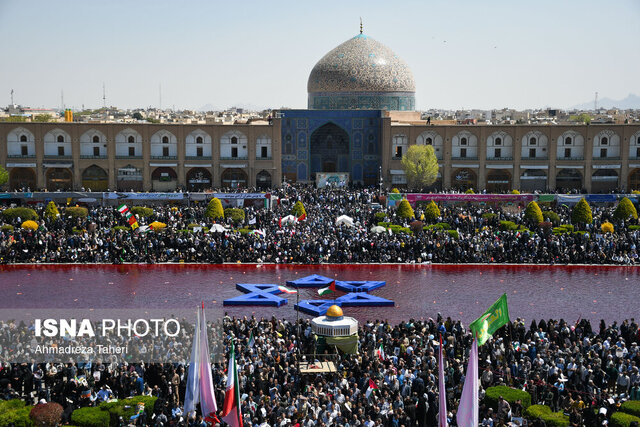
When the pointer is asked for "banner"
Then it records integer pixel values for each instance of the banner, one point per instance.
(487, 198)
(493, 319)
(143, 196)
(333, 179)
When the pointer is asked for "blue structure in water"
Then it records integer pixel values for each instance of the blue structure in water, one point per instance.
(312, 281)
(257, 294)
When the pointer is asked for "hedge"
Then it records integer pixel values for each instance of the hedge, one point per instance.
(625, 209)
(236, 214)
(533, 213)
(508, 226)
(454, 234)
(489, 215)
(551, 216)
(509, 394)
(395, 229)
(581, 213)
(117, 409)
(214, 209)
(24, 214)
(30, 225)
(552, 419)
(634, 227)
(141, 211)
(380, 216)
(6, 227)
(15, 412)
(620, 419)
(384, 224)
(631, 407)
(90, 417)
(431, 212)
(51, 211)
(405, 210)
(76, 212)
(120, 228)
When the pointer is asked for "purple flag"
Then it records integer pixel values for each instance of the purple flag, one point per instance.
(467, 415)
(442, 396)
(192, 394)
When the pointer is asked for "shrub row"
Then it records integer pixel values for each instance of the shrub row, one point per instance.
(509, 394)
(23, 213)
(552, 419)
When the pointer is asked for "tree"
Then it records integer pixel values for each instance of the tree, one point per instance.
(138, 116)
(625, 209)
(44, 118)
(533, 213)
(298, 209)
(581, 213)
(51, 211)
(405, 210)
(431, 212)
(4, 176)
(214, 209)
(420, 165)
(581, 118)
(395, 191)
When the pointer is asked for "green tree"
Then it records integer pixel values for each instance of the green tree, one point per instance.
(533, 214)
(236, 214)
(420, 166)
(138, 116)
(4, 176)
(214, 209)
(51, 211)
(298, 209)
(625, 209)
(431, 212)
(581, 118)
(581, 213)
(43, 118)
(405, 210)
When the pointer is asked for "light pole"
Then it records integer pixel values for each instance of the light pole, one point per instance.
(380, 169)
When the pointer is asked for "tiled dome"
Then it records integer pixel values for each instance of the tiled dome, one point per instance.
(361, 64)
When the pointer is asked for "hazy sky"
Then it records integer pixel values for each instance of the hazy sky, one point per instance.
(471, 54)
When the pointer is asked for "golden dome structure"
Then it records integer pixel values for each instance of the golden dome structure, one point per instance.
(334, 311)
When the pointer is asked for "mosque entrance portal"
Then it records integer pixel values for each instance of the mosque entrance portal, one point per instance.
(329, 150)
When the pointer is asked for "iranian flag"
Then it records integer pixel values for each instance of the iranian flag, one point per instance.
(372, 386)
(380, 352)
(231, 409)
(252, 340)
(328, 290)
(287, 290)
(123, 209)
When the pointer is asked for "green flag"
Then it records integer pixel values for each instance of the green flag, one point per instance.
(493, 319)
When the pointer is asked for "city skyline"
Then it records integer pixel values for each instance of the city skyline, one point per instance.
(260, 55)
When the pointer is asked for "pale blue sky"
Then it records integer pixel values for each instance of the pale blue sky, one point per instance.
(469, 54)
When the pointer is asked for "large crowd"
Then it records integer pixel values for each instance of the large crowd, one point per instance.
(101, 237)
(579, 369)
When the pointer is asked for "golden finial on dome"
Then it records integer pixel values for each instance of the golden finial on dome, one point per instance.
(361, 25)
(334, 311)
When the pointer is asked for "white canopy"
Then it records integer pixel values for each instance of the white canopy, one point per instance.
(217, 228)
(378, 229)
(346, 220)
(289, 219)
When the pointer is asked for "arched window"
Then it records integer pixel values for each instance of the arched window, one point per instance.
(23, 138)
(165, 139)
(568, 141)
(199, 140)
(131, 139)
(498, 141)
(604, 140)
(428, 141)
(96, 138)
(234, 140)
(532, 141)
(463, 141)
(60, 138)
